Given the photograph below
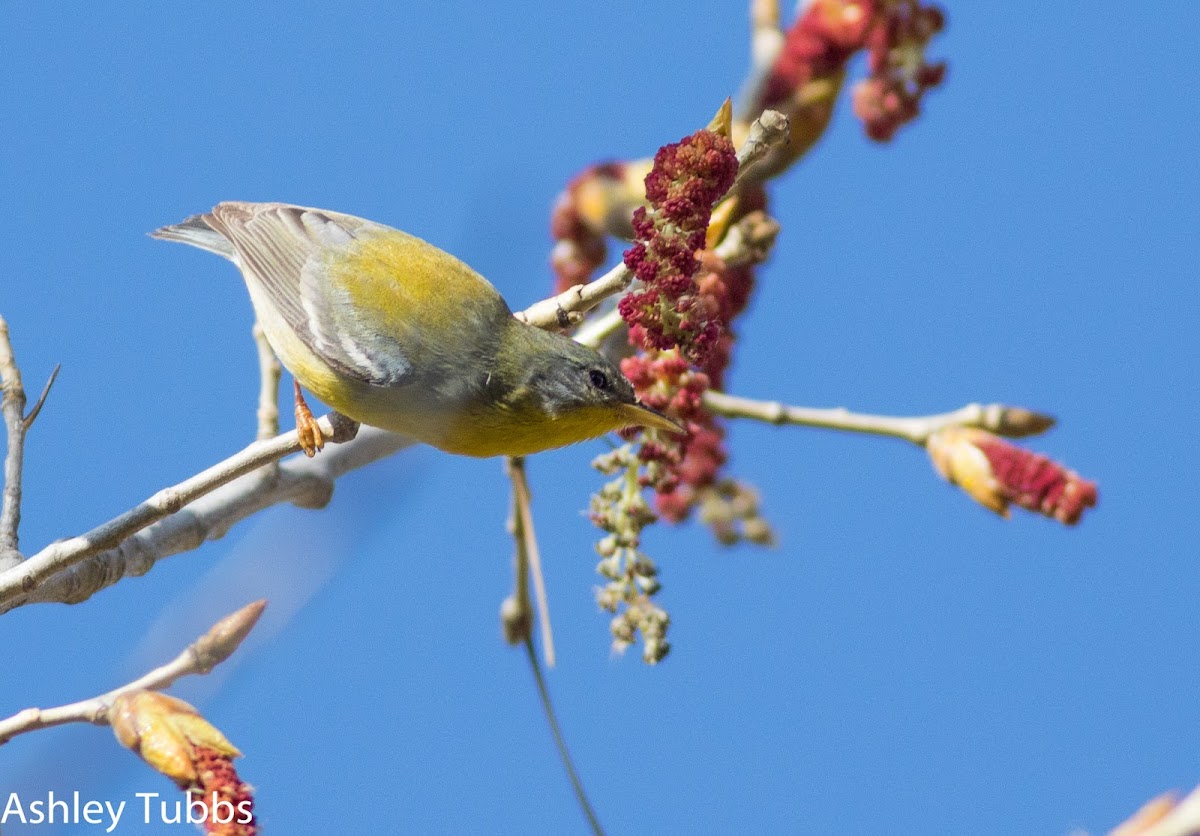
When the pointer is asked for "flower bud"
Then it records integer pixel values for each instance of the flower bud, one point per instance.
(516, 621)
(996, 474)
(1015, 422)
(166, 733)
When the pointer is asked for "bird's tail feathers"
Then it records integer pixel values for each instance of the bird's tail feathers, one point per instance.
(197, 232)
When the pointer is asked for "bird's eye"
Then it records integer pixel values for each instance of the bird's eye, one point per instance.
(598, 378)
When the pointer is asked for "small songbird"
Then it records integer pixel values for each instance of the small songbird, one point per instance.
(391, 331)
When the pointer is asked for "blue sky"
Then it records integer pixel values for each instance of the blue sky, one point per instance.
(903, 661)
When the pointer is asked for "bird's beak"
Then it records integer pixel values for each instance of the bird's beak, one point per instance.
(640, 415)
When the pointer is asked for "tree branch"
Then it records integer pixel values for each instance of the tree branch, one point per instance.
(13, 406)
(529, 560)
(17, 424)
(268, 392)
(200, 657)
(997, 418)
(567, 308)
(131, 543)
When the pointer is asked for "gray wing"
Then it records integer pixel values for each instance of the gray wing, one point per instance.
(279, 248)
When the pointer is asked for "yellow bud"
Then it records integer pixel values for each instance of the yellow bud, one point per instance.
(961, 463)
(720, 221)
(722, 123)
(163, 731)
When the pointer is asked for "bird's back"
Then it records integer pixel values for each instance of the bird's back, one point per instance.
(379, 324)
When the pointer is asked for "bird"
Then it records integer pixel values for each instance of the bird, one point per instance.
(393, 332)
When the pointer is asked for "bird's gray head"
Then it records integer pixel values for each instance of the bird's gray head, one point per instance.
(568, 378)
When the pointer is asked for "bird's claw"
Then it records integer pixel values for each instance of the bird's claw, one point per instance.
(308, 431)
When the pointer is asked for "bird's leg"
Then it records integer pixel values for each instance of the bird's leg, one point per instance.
(311, 437)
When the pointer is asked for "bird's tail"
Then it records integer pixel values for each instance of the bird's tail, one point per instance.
(197, 232)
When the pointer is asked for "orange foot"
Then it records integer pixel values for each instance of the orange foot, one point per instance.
(311, 437)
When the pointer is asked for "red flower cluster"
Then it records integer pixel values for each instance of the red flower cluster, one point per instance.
(829, 32)
(688, 178)
(997, 474)
(218, 780)
(1037, 483)
(728, 290)
(676, 466)
(818, 45)
(579, 249)
(679, 319)
(900, 76)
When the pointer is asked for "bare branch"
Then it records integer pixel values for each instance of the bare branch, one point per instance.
(268, 394)
(116, 553)
(529, 559)
(997, 418)
(12, 404)
(307, 483)
(200, 657)
(568, 307)
(516, 611)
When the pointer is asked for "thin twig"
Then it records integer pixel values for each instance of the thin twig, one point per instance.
(25, 577)
(516, 611)
(41, 401)
(268, 391)
(200, 657)
(568, 307)
(527, 545)
(559, 741)
(997, 418)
